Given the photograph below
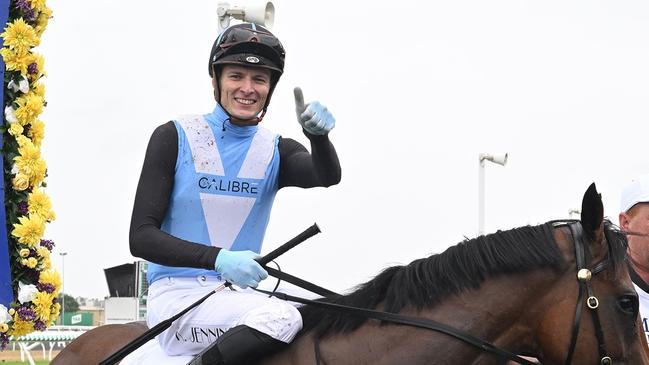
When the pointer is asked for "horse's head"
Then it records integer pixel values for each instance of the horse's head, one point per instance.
(592, 314)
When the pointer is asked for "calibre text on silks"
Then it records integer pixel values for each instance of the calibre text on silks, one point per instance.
(224, 184)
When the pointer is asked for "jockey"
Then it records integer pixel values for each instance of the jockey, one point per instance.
(204, 199)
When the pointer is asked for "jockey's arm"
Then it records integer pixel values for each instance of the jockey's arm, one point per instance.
(300, 168)
(151, 200)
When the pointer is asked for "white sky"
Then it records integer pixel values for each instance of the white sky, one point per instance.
(418, 88)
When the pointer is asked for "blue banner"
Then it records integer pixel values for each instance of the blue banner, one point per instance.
(6, 293)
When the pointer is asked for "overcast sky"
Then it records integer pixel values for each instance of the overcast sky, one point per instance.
(418, 89)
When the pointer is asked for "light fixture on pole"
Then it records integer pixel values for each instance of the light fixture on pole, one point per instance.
(497, 158)
(263, 14)
(572, 211)
(63, 286)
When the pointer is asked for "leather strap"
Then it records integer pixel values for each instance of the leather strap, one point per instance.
(408, 321)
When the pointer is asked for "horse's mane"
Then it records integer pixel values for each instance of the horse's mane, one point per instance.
(425, 282)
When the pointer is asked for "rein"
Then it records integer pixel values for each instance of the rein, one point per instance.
(584, 276)
(404, 320)
(162, 326)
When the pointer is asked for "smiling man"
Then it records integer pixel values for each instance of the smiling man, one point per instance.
(634, 219)
(204, 200)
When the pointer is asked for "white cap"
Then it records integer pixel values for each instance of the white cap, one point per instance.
(636, 192)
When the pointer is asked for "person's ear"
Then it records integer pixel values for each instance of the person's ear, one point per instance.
(624, 221)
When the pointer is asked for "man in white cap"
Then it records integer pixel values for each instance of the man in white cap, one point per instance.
(634, 218)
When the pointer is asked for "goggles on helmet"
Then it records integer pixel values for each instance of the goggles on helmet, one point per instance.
(249, 45)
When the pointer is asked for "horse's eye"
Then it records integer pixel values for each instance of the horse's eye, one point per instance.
(628, 303)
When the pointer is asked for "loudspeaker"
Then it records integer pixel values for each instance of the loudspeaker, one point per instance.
(499, 158)
(262, 14)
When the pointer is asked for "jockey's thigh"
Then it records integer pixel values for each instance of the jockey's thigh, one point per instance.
(223, 310)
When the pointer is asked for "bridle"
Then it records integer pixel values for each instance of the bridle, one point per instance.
(584, 276)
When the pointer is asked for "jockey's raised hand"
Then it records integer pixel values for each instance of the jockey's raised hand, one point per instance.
(314, 117)
(240, 268)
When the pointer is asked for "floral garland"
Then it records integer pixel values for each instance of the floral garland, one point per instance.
(36, 285)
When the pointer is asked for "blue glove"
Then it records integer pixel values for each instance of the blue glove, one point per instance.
(240, 268)
(314, 117)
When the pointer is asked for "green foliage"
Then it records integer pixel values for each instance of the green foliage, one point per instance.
(71, 304)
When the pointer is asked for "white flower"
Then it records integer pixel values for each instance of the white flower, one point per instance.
(26, 293)
(23, 85)
(4, 314)
(10, 116)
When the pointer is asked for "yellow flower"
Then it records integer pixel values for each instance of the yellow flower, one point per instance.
(4, 327)
(43, 252)
(43, 19)
(16, 60)
(29, 162)
(30, 262)
(24, 252)
(30, 106)
(37, 5)
(38, 173)
(46, 263)
(36, 132)
(39, 204)
(22, 140)
(42, 304)
(20, 327)
(20, 36)
(38, 89)
(30, 229)
(15, 129)
(50, 277)
(20, 182)
(55, 311)
(11, 311)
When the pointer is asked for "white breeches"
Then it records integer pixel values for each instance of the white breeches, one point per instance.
(223, 310)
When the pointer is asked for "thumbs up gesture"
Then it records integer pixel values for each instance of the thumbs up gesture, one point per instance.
(313, 117)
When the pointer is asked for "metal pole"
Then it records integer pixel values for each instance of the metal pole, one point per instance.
(497, 158)
(63, 287)
(481, 196)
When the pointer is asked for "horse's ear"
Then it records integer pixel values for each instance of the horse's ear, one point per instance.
(592, 213)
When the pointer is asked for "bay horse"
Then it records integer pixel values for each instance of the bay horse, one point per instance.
(521, 290)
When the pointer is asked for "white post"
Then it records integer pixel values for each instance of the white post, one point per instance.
(63, 286)
(481, 196)
(497, 158)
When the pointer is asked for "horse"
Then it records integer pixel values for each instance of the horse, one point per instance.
(522, 290)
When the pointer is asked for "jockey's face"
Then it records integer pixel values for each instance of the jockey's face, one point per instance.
(243, 92)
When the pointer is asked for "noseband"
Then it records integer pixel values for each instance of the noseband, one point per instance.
(584, 276)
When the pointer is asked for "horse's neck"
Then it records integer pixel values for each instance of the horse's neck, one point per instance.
(502, 311)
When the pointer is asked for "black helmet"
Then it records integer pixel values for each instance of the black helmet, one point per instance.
(248, 44)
